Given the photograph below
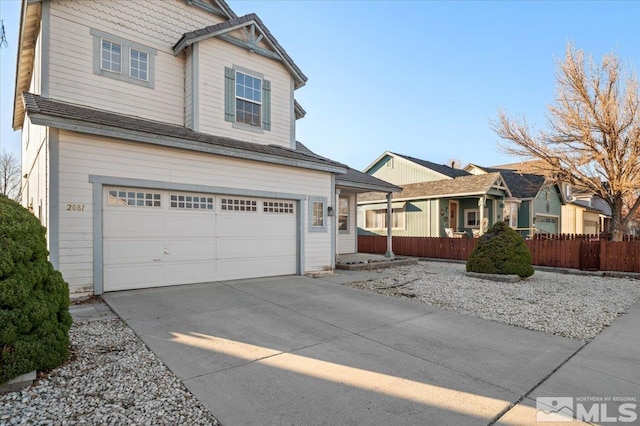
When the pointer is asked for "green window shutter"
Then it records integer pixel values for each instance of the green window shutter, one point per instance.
(229, 94)
(266, 105)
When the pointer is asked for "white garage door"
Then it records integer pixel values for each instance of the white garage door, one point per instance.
(158, 238)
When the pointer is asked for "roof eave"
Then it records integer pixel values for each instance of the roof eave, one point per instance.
(169, 141)
(25, 58)
(366, 187)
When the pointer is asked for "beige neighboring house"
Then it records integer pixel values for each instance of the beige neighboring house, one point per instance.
(159, 147)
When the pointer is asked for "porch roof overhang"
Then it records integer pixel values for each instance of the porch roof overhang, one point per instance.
(379, 206)
(489, 184)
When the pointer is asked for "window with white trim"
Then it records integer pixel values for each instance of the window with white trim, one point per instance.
(122, 197)
(472, 218)
(121, 59)
(111, 56)
(248, 99)
(377, 219)
(191, 202)
(343, 215)
(138, 64)
(277, 207)
(317, 214)
(238, 205)
(510, 214)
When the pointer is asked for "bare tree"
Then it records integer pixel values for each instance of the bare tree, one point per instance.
(593, 136)
(9, 175)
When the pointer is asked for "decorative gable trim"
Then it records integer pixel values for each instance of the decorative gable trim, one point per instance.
(255, 30)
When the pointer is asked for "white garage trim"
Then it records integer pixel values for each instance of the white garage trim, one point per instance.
(100, 181)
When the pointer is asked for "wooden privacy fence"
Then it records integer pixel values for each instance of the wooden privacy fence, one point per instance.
(599, 255)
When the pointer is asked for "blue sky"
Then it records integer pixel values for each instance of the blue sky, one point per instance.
(421, 78)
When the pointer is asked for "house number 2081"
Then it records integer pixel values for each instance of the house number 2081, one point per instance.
(75, 207)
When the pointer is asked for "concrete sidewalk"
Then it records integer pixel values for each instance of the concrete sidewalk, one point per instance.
(298, 350)
(606, 371)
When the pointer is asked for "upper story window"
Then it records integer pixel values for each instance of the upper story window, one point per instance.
(139, 64)
(111, 56)
(247, 99)
(123, 59)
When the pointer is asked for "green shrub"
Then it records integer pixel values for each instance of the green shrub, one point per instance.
(34, 298)
(501, 251)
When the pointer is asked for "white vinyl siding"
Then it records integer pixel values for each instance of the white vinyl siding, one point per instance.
(84, 155)
(214, 56)
(71, 77)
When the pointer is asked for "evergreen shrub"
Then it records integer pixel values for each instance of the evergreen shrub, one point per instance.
(34, 298)
(501, 251)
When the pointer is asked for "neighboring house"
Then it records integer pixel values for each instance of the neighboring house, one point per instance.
(536, 205)
(584, 213)
(159, 147)
(434, 198)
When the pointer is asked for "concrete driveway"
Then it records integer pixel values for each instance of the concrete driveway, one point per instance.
(304, 351)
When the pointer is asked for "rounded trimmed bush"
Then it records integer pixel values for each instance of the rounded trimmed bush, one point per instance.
(34, 298)
(501, 251)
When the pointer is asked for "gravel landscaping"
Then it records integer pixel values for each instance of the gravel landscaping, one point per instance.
(574, 306)
(111, 379)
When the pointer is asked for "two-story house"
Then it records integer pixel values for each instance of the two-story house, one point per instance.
(159, 147)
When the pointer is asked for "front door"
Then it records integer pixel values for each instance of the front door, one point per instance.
(453, 215)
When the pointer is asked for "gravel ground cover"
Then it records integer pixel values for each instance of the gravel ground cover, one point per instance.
(574, 306)
(112, 378)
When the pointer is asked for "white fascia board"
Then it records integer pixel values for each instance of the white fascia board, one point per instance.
(138, 136)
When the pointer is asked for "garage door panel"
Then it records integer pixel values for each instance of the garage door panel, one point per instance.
(274, 246)
(191, 224)
(190, 272)
(133, 224)
(131, 250)
(277, 265)
(238, 225)
(237, 248)
(190, 249)
(126, 277)
(277, 227)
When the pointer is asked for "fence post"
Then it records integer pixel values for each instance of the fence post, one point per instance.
(602, 254)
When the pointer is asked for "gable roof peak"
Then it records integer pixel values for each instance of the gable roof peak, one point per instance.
(439, 168)
(252, 20)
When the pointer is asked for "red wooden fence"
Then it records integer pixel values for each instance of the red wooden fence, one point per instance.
(583, 254)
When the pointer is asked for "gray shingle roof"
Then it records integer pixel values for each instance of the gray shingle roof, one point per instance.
(522, 185)
(463, 185)
(354, 178)
(215, 29)
(51, 109)
(440, 168)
